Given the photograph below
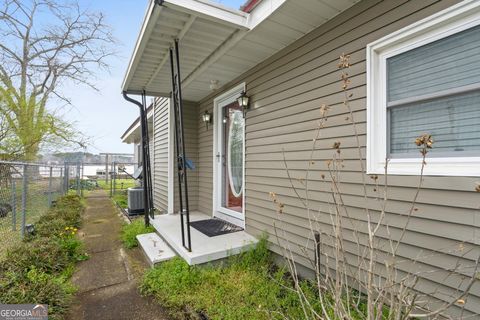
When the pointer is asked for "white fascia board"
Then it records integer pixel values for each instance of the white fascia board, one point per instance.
(135, 128)
(207, 9)
(128, 137)
(262, 11)
(145, 31)
(211, 10)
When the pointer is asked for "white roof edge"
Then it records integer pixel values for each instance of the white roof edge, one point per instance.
(261, 11)
(206, 8)
(211, 10)
(139, 46)
(135, 127)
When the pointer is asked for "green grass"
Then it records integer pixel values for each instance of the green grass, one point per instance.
(120, 184)
(247, 286)
(131, 230)
(121, 199)
(120, 194)
(38, 269)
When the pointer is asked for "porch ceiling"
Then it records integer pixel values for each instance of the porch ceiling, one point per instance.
(217, 43)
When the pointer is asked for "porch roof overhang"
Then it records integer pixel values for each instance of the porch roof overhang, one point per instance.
(216, 43)
(133, 133)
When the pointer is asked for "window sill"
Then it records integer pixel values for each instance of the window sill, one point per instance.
(457, 167)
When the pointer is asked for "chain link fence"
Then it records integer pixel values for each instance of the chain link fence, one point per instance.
(28, 190)
(26, 193)
(121, 177)
(114, 178)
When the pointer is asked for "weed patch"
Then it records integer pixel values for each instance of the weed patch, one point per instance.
(247, 286)
(130, 232)
(121, 199)
(38, 270)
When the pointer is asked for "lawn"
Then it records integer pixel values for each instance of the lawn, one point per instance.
(247, 286)
(120, 184)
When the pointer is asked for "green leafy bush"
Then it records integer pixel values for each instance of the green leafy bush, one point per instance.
(131, 230)
(38, 270)
(247, 286)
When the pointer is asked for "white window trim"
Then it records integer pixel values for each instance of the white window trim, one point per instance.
(455, 19)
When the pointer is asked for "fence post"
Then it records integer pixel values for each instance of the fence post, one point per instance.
(111, 186)
(82, 173)
(61, 179)
(78, 178)
(114, 177)
(14, 205)
(24, 198)
(65, 179)
(50, 187)
(317, 251)
(106, 169)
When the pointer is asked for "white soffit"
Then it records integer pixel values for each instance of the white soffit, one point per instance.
(217, 43)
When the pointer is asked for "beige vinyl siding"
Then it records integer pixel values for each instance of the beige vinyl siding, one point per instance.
(286, 93)
(160, 153)
(191, 150)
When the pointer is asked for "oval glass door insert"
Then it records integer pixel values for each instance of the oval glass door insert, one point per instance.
(235, 152)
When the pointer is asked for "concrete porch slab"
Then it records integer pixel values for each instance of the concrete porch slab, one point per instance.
(204, 249)
(155, 249)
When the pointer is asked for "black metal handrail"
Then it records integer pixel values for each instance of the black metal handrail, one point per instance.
(180, 146)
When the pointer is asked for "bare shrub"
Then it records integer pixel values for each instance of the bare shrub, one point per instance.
(360, 272)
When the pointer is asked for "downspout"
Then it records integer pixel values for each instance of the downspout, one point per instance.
(144, 131)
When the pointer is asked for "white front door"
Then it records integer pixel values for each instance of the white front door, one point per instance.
(229, 158)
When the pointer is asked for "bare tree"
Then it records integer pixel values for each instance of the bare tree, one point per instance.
(45, 45)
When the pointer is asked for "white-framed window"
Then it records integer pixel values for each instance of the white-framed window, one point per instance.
(425, 78)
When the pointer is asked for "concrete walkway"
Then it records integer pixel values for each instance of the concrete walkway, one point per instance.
(108, 281)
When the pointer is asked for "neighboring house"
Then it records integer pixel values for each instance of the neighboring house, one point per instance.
(415, 69)
(133, 136)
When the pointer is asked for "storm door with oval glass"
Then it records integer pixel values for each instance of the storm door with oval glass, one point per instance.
(229, 160)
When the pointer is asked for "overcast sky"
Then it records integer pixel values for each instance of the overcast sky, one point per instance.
(105, 115)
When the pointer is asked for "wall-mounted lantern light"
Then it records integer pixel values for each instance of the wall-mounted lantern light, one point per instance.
(207, 118)
(243, 101)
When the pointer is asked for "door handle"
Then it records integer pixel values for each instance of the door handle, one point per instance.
(220, 156)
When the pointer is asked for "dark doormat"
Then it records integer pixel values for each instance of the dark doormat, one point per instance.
(215, 227)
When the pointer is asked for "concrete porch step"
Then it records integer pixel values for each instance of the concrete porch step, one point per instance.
(204, 249)
(155, 249)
